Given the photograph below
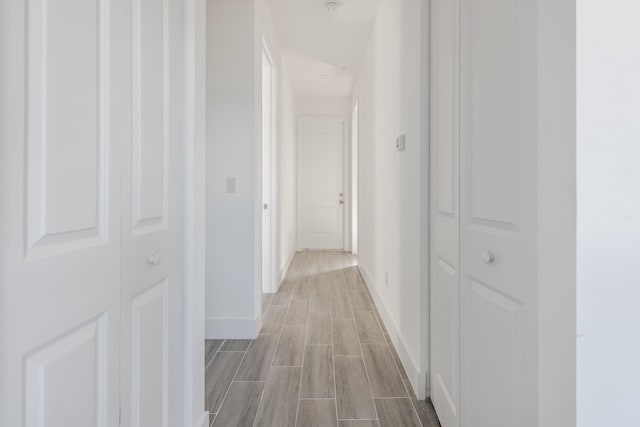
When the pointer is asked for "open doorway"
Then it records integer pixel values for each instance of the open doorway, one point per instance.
(269, 170)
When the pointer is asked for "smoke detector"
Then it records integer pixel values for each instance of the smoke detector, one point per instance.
(332, 5)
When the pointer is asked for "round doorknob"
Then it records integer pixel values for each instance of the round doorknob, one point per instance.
(154, 259)
(488, 257)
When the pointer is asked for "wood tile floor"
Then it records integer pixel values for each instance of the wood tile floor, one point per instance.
(323, 358)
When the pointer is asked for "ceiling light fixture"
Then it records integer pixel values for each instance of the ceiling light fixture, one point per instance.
(332, 5)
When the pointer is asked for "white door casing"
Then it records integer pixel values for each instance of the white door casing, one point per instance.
(269, 169)
(444, 216)
(62, 128)
(353, 155)
(498, 213)
(321, 195)
(151, 221)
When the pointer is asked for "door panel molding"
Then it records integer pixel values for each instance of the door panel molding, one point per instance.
(67, 136)
(150, 343)
(321, 219)
(151, 123)
(77, 363)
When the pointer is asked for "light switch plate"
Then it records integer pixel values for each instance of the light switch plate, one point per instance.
(232, 184)
(400, 143)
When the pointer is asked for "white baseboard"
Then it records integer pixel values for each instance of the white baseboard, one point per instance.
(234, 328)
(417, 377)
(203, 421)
(285, 268)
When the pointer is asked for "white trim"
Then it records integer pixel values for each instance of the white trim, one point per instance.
(285, 268)
(354, 177)
(204, 420)
(232, 328)
(417, 378)
(273, 284)
(193, 206)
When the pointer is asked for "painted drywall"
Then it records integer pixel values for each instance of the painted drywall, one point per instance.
(392, 211)
(608, 149)
(232, 149)
(287, 198)
(323, 106)
(233, 221)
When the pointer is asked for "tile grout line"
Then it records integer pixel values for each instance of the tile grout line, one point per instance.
(333, 362)
(224, 399)
(214, 355)
(379, 319)
(304, 352)
(362, 356)
(255, 420)
(413, 405)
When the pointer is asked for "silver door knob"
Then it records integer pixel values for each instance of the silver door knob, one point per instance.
(341, 202)
(154, 259)
(488, 257)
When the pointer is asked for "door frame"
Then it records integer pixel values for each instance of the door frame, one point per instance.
(346, 170)
(353, 176)
(194, 412)
(273, 283)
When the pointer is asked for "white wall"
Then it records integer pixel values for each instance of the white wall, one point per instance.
(608, 84)
(392, 213)
(323, 106)
(231, 151)
(287, 194)
(234, 42)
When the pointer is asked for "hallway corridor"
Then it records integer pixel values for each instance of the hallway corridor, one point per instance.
(323, 358)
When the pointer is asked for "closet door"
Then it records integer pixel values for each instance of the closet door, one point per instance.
(62, 129)
(498, 208)
(151, 222)
(445, 222)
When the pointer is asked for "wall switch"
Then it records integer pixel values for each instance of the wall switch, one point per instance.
(232, 184)
(400, 143)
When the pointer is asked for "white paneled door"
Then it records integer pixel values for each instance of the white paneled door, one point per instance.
(89, 213)
(151, 222)
(483, 213)
(321, 184)
(498, 205)
(445, 218)
(61, 137)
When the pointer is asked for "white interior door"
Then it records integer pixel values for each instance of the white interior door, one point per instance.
(321, 184)
(268, 172)
(62, 128)
(445, 220)
(151, 222)
(498, 207)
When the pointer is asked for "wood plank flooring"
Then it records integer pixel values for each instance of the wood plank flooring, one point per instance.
(323, 358)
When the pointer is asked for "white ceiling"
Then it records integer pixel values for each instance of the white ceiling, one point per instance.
(321, 49)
